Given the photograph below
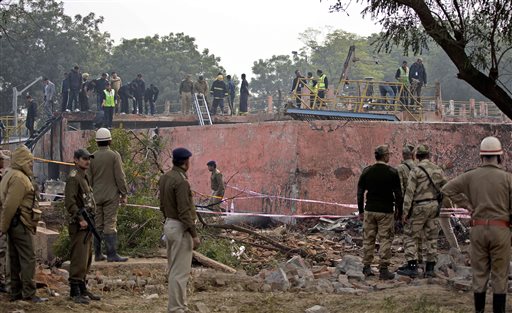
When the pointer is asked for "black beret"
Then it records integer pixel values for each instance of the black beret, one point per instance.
(180, 154)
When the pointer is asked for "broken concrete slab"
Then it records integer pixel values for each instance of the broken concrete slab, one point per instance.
(43, 243)
(278, 280)
(350, 263)
(317, 309)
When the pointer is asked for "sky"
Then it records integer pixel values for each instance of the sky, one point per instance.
(238, 31)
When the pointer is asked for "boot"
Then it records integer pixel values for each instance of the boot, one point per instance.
(112, 256)
(479, 302)
(75, 295)
(3, 287)
(98, 255)
(367, 271)
(411, 270)
(499, 301)
(429, 269)
(385, 274)
(86, 293)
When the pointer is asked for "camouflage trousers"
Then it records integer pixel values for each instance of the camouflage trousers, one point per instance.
(490, 255)
(422, 221)
(381, 225)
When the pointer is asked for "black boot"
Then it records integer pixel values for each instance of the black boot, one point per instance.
(75, 295)
(86, 293)
(3, 287)
(98, 255)
(112, 256)
(479, 302)
(499, 302)
(385, 274)
(429, 269)
(411, 270)
(367, 271)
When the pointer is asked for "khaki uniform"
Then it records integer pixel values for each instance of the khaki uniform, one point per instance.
(186, 89)
(217, 184)
(486, 191)
(78, 195)
(116, 84)
(19, 216)
(178, 208)
(108, 183)
(420, 206)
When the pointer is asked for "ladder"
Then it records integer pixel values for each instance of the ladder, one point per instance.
(202, 111)
(38, 134)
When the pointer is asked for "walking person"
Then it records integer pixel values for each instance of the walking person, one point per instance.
(109, 188)
(381, 184)
(486, 193)
(180, 232)
(78, 197)
(217, 186)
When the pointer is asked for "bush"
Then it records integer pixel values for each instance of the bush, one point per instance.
(220, 250)
(62, 246)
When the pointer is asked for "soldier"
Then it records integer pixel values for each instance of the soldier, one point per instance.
(109, 187)
(382, 186)
(178, 208)
(3, 239)
(217, 185)
(78, 197)
(485, 192)
(19, 217)
(420, 212)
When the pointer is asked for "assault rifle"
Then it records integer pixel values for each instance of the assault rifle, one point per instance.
(90, 225)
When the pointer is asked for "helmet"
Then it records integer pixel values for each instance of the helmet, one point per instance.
(491, 146)
(103, 134)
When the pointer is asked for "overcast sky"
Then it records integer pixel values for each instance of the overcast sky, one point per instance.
(238, 31)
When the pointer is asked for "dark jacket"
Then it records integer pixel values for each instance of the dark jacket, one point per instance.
(140, 88)
(126, 91)
(244, 87)
(417, 71)
(100, 84)
(75, 80)
(297, 84)
(151, 94)
(65, 85)
(186, 86)
(219, 89)
(31, 110)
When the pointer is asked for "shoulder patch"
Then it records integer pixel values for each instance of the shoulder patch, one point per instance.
(73, 173)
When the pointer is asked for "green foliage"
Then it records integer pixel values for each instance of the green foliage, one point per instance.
(272, 75)
(219, 249)
(61, 246)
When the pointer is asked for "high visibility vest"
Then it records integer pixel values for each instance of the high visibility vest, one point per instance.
(321, 82)
(404, 76)
(310, 84)
(109, 98)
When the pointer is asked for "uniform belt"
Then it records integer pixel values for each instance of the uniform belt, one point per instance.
(497, 223)
(424, 201)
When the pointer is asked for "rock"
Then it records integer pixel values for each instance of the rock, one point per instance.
(338, 288)
(317, 309)
(323, 274)
(151, 289)
(266, 288)
(444, 262)
(130, 284)
(201, 307)
(152, 296)
(278, 280)
(462, 285)
(219, 282)
(358, 275)
(464, 272)
(343, 280)
(61, 272)
(350, 263)
(324, 286)
(43, 243)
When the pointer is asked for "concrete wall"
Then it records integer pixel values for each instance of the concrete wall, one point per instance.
(318, 160)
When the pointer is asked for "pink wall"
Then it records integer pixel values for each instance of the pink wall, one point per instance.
(318, 160)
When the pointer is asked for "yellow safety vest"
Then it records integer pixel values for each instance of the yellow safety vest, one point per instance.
(109, 98)
(310, 84)
(321, 82)
(404, 76)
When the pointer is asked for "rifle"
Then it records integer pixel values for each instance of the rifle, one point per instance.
(90, 225)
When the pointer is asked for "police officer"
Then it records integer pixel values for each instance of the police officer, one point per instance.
(217, 185)
(486, 192)
(19, 217)
(420, 211)
(109, 186)
(186, 89)
(178, 208)
(3, 240)
(381, 184)
(79, 196)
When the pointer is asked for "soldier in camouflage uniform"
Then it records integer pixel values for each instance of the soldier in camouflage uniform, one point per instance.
(78, 197)
(217, 185)
(3, 241)
(421, 211)
(381, 184)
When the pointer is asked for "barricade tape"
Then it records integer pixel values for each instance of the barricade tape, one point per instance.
(53, 161)
(445, 212)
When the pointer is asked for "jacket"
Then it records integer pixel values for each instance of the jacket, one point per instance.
(417, 71)
(108, 180)
(78, 195)
(75, 80)
(219, 89)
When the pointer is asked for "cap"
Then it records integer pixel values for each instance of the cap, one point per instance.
(211, 163)
(82, 153)
(382, 150)
(181, 154)
(422, 150)
(408, 148)
(4, 156)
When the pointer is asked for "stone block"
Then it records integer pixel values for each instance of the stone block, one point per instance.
(357, 275)
(278, 280)
(43, 243)
(350, 263)
(317, 309)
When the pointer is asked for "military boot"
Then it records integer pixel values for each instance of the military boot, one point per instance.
(385, 274)
(112, 256)
(429, 269)
(86, 293)
(499, 302)
(411, 270)
(367, 271)
(75, 295)
(98, 255)
(479, 298)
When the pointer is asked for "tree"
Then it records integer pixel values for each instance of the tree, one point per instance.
(475, 34)
(272, 75)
